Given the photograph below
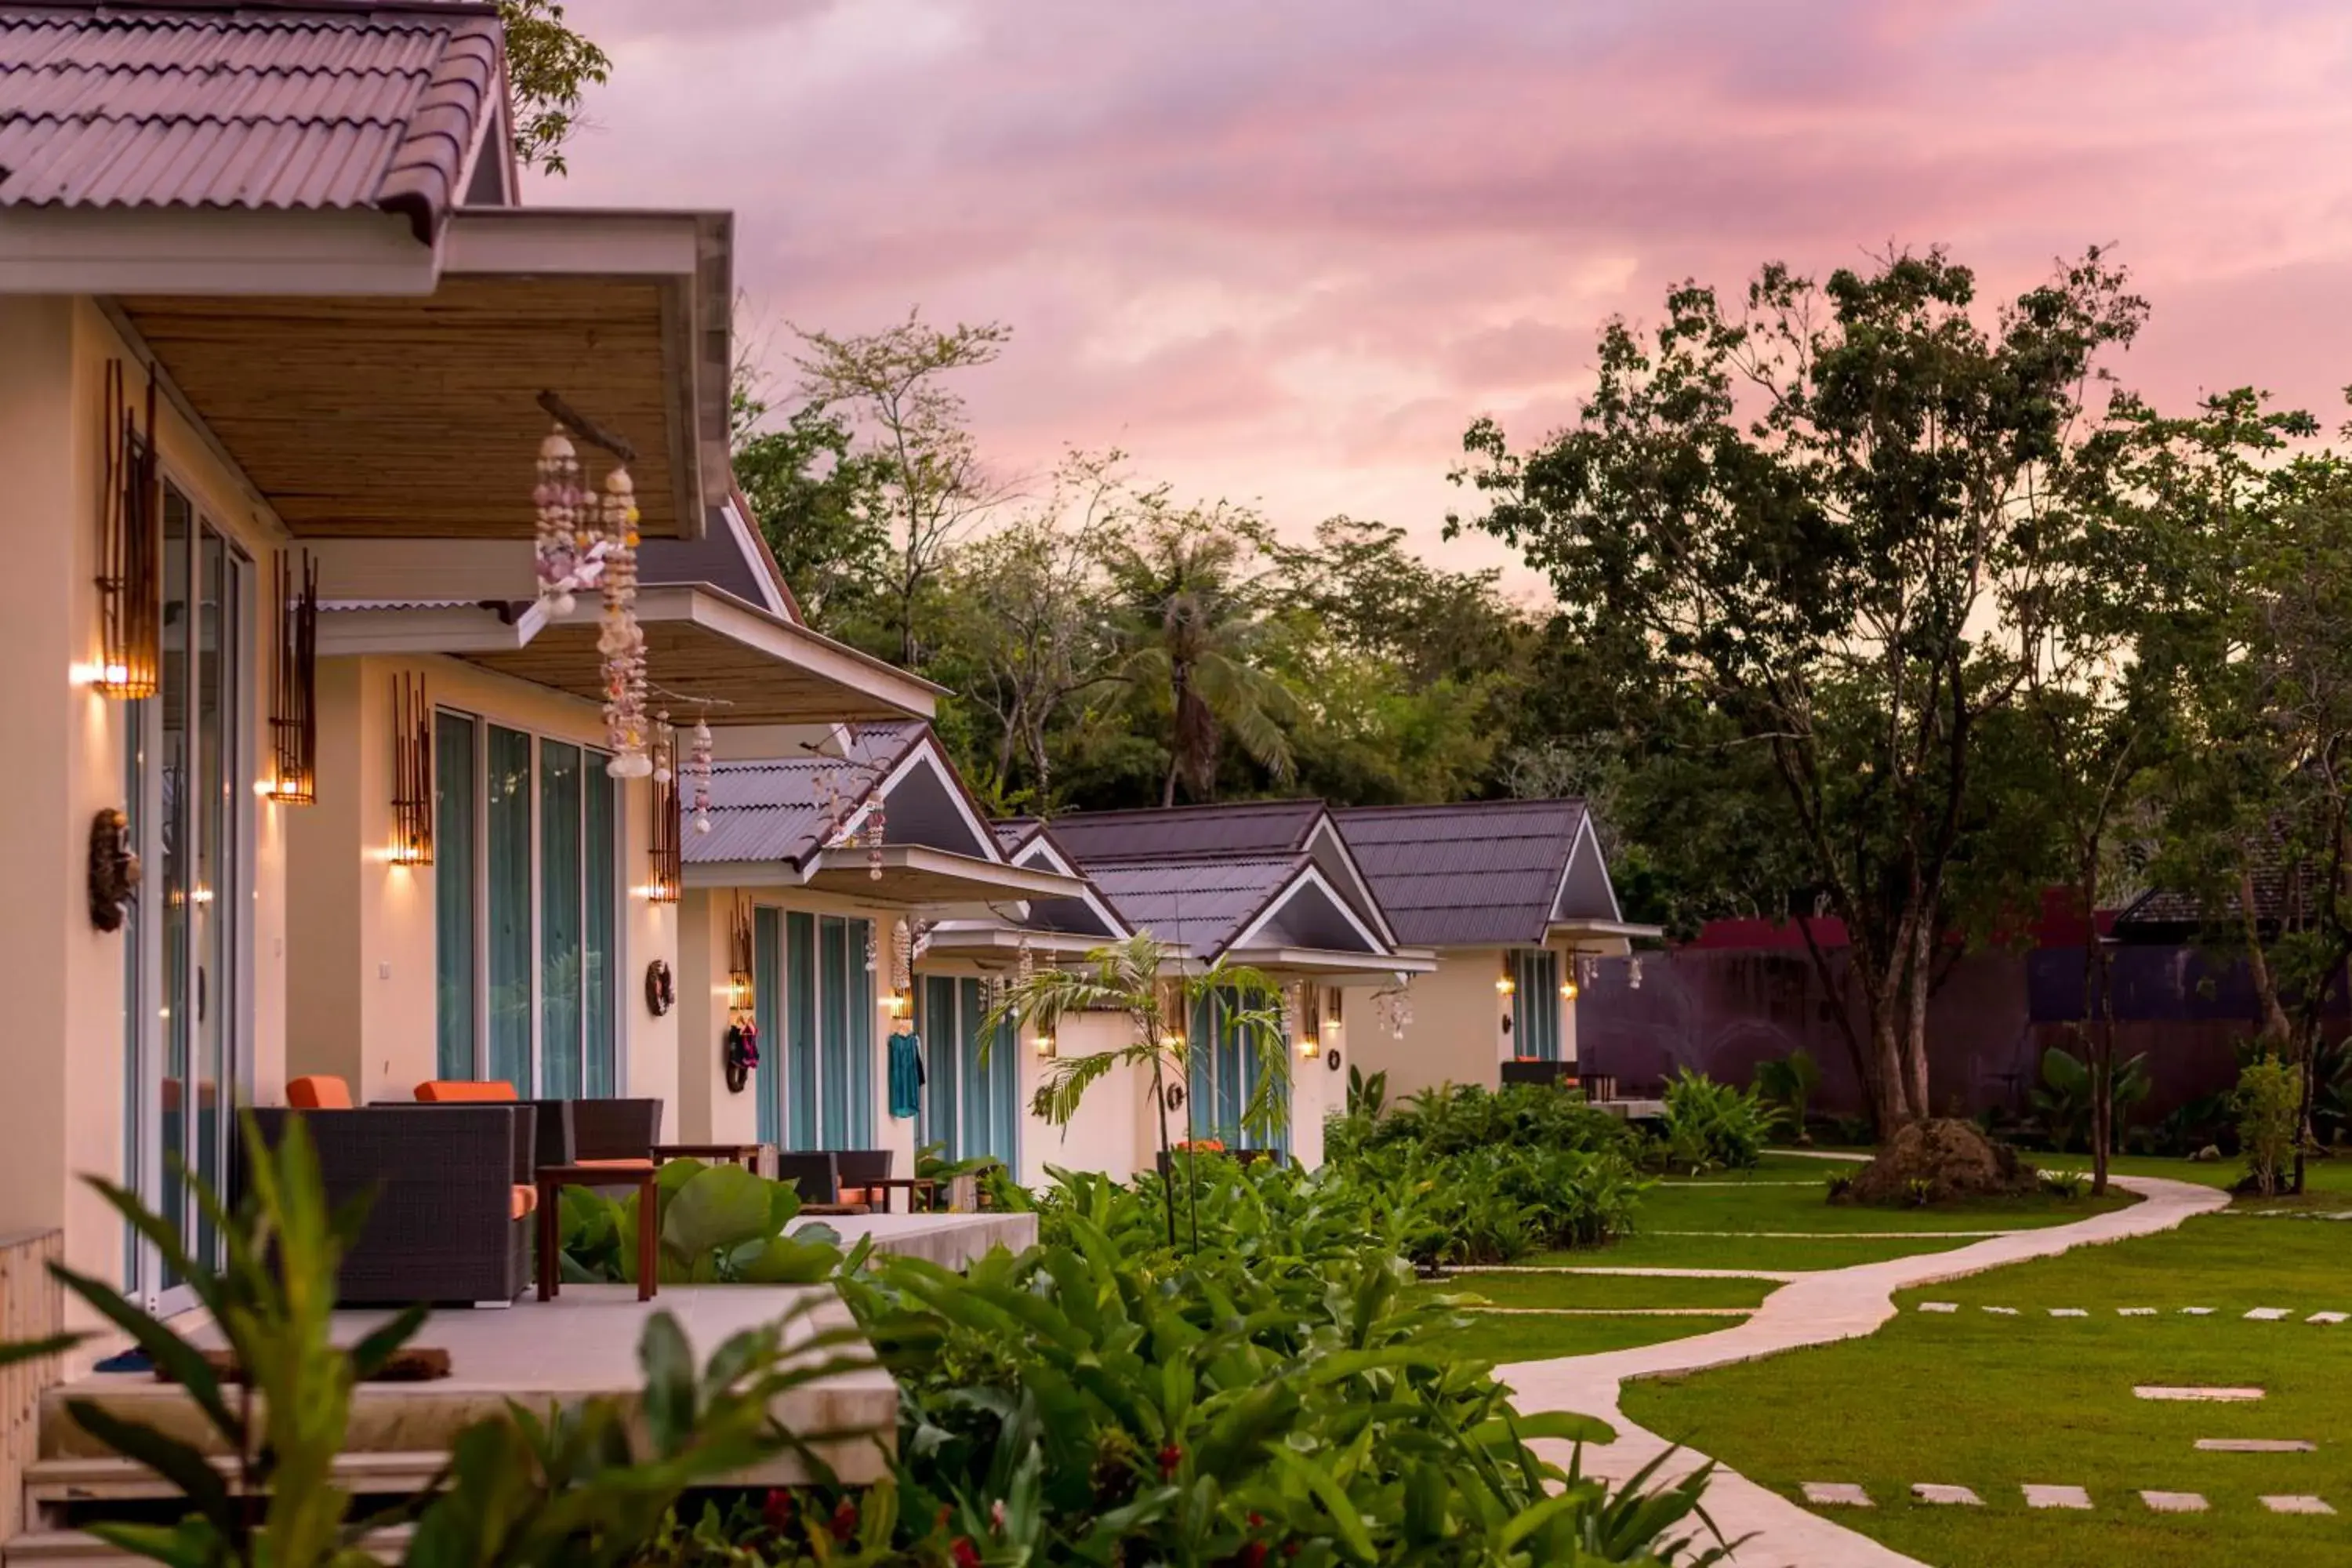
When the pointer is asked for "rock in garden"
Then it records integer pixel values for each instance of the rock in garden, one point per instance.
(1941, 1160)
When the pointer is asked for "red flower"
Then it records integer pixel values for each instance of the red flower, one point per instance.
(844, 1521)
(1290, 1549)
(965, 1554)
(1255, 1519)
(776, 1510)
(1170, 1457)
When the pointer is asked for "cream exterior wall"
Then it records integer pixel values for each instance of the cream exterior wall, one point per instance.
(1456, 1034)
(63, 1116)
(360, 998)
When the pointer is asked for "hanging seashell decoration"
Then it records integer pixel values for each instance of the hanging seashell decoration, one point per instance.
(902, 957)
(874, 828)
(698, 774)
(873, 953)
(621, 639)
(1026, 965)
(665, 746)
(1396, 1011)
(563, 534)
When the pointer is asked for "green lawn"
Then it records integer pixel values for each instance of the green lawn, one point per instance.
(2328, 1184)
(1994, 1403)
(1499, 1337)
(1777, 1253)
(1610, 1292)
(1680, 1206)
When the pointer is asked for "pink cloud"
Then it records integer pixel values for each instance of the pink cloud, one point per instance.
(1290, 251)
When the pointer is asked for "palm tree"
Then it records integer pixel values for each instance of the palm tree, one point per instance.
(1197, 624)
(1127, 977)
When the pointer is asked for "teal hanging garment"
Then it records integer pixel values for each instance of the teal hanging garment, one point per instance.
(906, 1076)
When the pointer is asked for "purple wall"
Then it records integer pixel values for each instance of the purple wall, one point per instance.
(1721, 1011)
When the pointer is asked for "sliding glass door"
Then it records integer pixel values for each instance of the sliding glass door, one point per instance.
(1535, 971)
(822, 1094)
(526, 902)
(1227, 1069)
(970, 1095)
(187, 1016)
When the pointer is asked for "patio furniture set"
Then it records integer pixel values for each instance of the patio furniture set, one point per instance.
(467, 1181)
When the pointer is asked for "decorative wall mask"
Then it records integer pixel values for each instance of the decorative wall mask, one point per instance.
(113, 869)
(661, 987)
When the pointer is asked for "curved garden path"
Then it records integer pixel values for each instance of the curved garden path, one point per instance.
(1816, 1309)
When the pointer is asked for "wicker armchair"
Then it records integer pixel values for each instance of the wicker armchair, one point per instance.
(451, 1219)
(816, 1176)
(614, 1129)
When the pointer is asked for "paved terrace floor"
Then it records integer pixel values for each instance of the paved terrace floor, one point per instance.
(1815, 1308)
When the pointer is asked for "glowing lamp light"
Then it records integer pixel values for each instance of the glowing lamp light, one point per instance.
(1568, 990)
(1505, 986)
(739, 990)
(1044, 1044)
(1172, 1042)
(1309, 1048)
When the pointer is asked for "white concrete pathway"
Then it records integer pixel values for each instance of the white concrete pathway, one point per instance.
(1816, 1309)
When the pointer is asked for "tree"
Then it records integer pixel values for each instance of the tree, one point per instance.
(1133, 977)
(550, 68)
(1827, 518)
(1028, 626)
(820, 509)
(2258, 796)
(1198, 622)
(889, 390)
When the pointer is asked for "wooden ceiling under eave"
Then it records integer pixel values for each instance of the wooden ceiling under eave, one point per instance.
(692, 664)
(417, 417)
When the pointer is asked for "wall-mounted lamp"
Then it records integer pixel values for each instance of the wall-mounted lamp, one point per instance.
(1504, 985)
(1044, 1044)
(1310, 1047)
(412, 771)
(739, 991)
(1568, 990)
(1172, 1042)
(900, 1003)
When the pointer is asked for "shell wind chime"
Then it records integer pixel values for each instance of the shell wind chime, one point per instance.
(902, 957)
(876, 825)
(1396, 1011)
(698, 774)
(620, 639)
(566, 540)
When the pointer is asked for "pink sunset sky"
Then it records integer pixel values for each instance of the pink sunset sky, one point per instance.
(1285, 250)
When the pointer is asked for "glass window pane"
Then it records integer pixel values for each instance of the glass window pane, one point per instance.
(600, 953)
(832, 1054)
(857, 997)
(456, 877)
(767, 1010)
(941, 1122)
(559, 920)
(220, 628)
(508, 788)
(801, 1075)
(178, 881)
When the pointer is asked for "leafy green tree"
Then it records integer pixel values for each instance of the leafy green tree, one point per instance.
(1826, 516)
(1140, 979)
(909, 437)
(550, 68)
(819, 508)
(1198, 604)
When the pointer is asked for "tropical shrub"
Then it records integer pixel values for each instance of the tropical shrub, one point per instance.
(717, 1224)
(1711, 1126)
(1269, 1397)
(1453, 1118)
(2066, 1101)
(1789, 1084)
(2269, 1105)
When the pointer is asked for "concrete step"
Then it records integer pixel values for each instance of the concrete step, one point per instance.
(81, 1549)
(51, 1483)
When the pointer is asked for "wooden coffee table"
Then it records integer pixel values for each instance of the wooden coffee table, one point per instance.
(744, 1154)
(925, 1185)
(553, 1179)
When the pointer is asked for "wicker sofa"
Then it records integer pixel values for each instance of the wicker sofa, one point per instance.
(451, 1221)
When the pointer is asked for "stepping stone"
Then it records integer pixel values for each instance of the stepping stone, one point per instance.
(2174, 1502)
(2268, 1314)
(2327, 1317)
(2255, 1446)
(2003, 1311)
(2134, 1312)
(1836, 1494)
(2196, 1311)
(2068, 1312)
(2056, 1497)
(2216, 1396)
(2297, 1505)
(1939, 1307)
(1959, 1497)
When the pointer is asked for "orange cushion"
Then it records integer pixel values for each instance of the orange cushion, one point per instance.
(522, 1202)
(856, 1195)
(458, 1091)
(320, 1091)
(617, 1165)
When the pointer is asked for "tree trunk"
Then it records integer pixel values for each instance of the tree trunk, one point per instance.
(1915, 1016)
(1891, 1104)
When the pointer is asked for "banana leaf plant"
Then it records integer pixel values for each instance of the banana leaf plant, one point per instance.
(717, 1224)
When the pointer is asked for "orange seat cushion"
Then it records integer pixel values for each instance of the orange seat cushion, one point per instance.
(856, 1195)
(617, 1165)
(458, 1091)
(320, 1091)
(522, 1202)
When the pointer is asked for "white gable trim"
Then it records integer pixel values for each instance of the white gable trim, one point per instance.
(1364, 900)
(928, 755)
(1585, 836)
(1306, 876)
(1040, 847)
(769, 600)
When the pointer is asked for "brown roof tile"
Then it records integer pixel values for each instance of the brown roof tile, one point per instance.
(290, 106)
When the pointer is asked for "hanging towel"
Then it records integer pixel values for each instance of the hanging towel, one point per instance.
(906, 1076)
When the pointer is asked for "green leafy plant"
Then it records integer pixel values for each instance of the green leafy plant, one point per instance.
(1789, 1083)
(1367, 1093)
(2064, 1184)
(2269, 1105)
(588, 1485)
(1711, 1126)
(2064, 1101)
(717, 1224)
(1919, 1192)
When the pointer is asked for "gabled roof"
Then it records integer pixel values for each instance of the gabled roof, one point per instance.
(1480, 873)
(321, 104)
(730, 556)
(1266, 828)
(778, 810)
(1201, 903)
